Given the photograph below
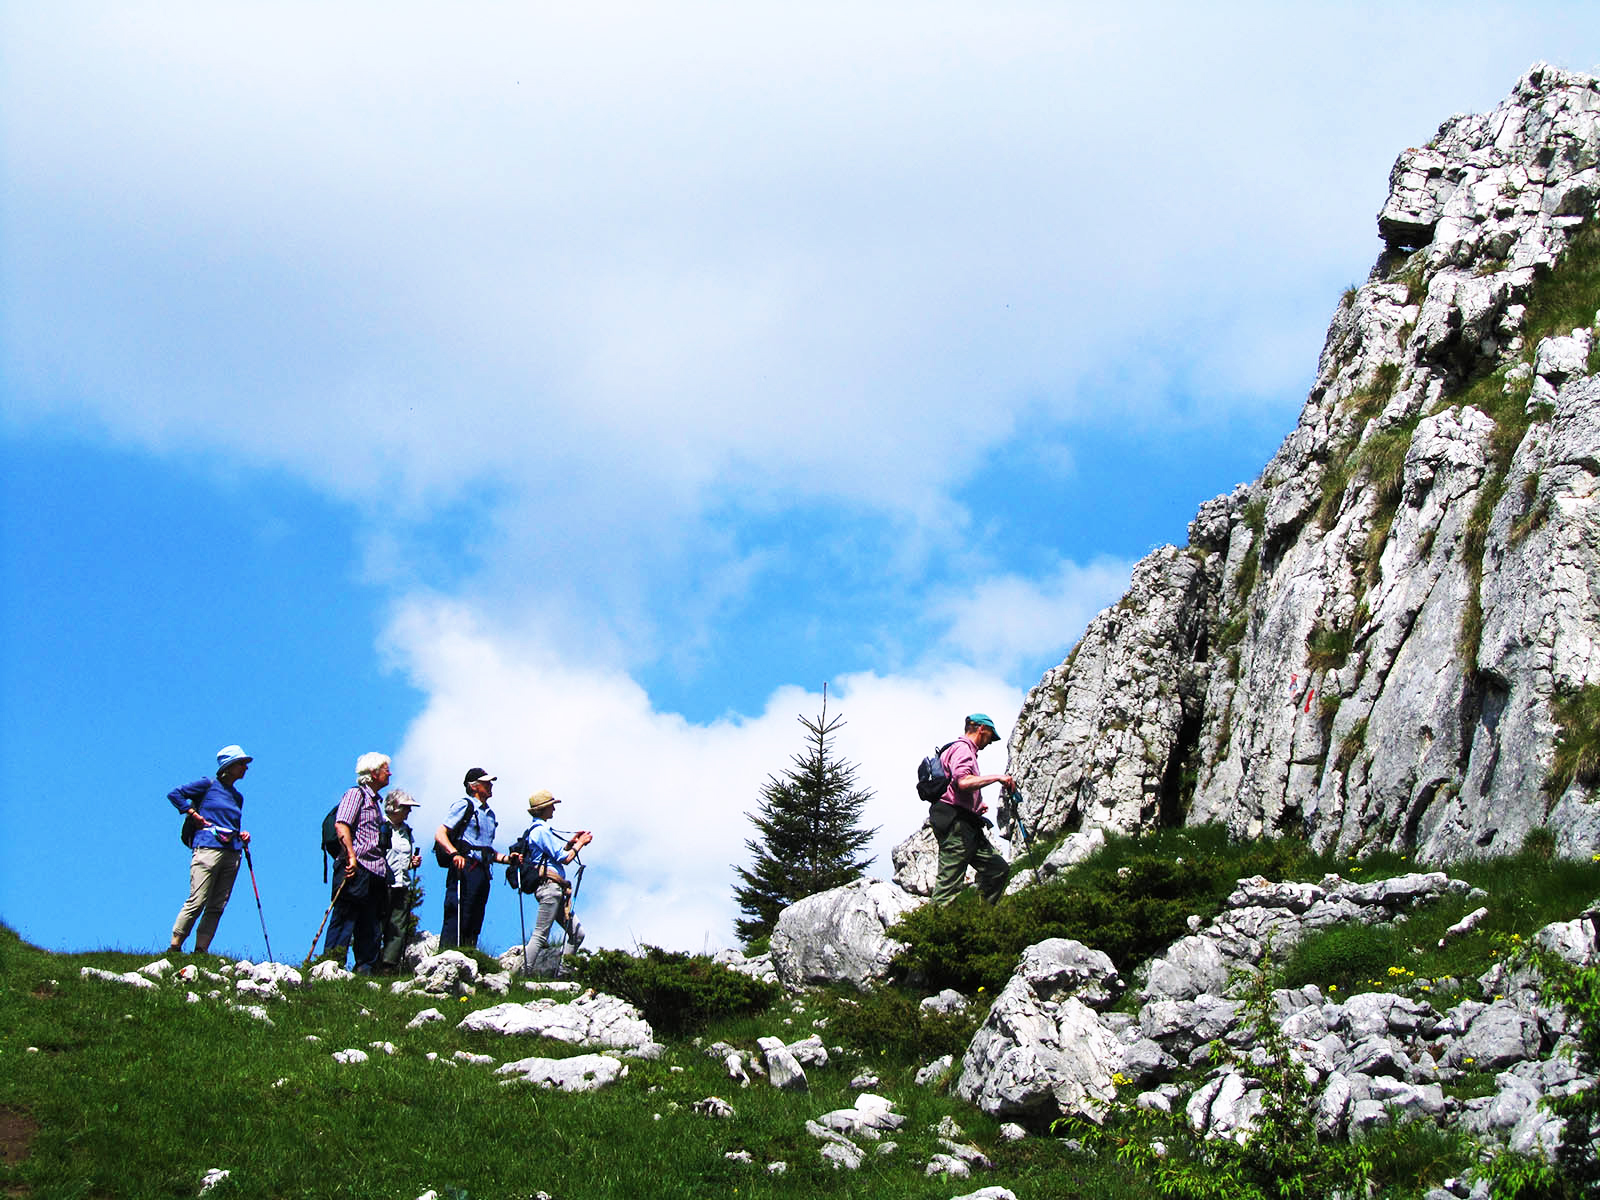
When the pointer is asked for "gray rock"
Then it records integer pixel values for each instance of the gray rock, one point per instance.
(1074, 849)
(1183, 1025)
(1035, 1056)
(946, 1002)
(783, 1070)
(1498, 1036)
(934, 1071)
(871, 1116)
(1395, 738)
(1058, 967)
(581, 1073)
(449, 973)
(947, 1165)
(593, 1019)
(838, 936)
(1574, 941)
(809, 1052)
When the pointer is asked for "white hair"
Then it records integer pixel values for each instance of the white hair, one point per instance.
(367, 765)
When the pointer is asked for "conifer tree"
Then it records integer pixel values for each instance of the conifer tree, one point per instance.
(809, 826)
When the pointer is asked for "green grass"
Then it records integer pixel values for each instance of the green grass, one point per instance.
(1526, 891)
(1328, 648)
(137, 1093)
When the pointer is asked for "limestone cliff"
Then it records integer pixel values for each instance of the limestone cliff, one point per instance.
(1363, 645)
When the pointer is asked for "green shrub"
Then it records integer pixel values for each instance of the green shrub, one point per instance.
(1346, 956)
(676, 992)
(888, 1021)
(1129, 901)
(1351, 745)
(1577, 756)
(1328, 648)
(1335, 479)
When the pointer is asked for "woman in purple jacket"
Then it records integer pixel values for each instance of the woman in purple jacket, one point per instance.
(215, 807)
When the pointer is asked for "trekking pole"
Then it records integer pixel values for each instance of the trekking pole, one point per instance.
(318, 934)
(259, 911)
(522, 926)
(1014, 798)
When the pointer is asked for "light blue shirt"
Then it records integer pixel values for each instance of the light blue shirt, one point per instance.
(547, 845)
(477, 837)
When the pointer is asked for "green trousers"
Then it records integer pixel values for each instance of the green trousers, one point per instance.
(962, 844)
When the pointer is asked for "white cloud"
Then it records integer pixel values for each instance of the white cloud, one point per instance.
(666, 798)
(680, 253)
(1007, 621)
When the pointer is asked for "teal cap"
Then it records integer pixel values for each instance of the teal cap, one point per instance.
(982, 719)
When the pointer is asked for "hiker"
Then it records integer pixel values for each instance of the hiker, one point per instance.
(363, 894)
(958, 821)
(403, 861)
(465, 845)
(548, 855)
(213, 810)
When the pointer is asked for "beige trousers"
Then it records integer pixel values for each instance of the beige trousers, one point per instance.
(211, 875)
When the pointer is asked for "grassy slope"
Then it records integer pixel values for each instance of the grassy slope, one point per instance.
(138, 1093)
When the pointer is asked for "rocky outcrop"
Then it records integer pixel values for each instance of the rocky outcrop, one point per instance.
(1043, 1049)
(1050, 1047)
(1362, 646)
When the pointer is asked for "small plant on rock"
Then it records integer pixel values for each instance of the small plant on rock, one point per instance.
(1577, 757)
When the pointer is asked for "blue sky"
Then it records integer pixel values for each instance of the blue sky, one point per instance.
(572, 392)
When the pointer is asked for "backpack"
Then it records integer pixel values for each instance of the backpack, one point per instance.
(933, 777)
(439, 856)
(525, 876)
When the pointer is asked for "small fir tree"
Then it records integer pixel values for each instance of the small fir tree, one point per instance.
(810, 834)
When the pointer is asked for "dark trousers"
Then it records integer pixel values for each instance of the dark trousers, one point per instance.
(394, 927)
(466, 895)
(357, 918)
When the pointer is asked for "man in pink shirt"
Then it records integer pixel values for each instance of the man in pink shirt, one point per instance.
(958, 821)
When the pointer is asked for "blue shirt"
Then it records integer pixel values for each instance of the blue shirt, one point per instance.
(220, 803)
(546, 847)
(477, 838)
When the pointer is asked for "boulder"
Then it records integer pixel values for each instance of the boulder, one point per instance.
(581, 1073)
(1041, 1050)
(783, 1069)
(838, 936)
(593, 1019)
